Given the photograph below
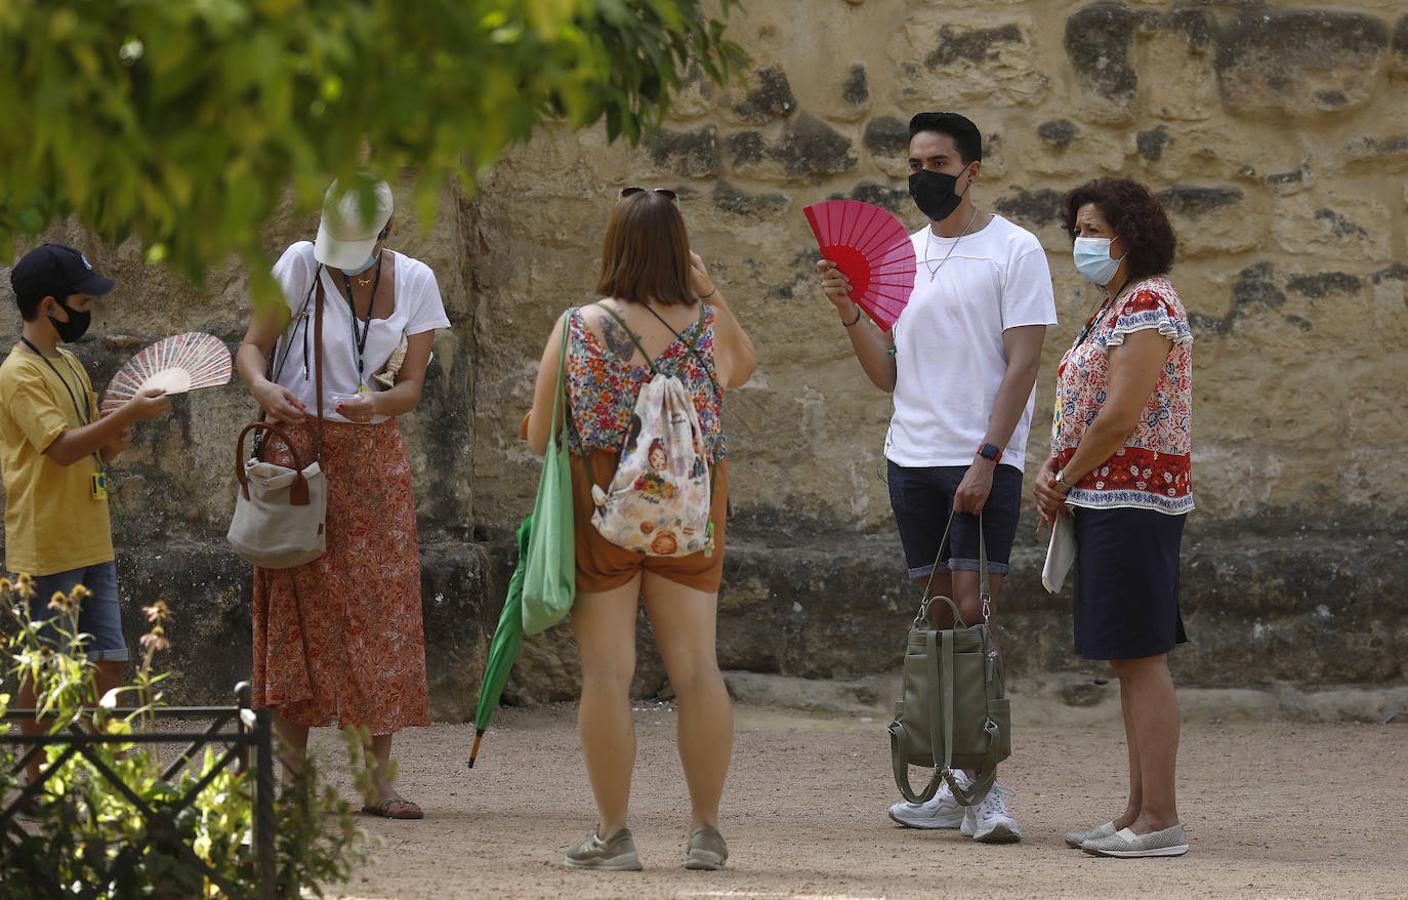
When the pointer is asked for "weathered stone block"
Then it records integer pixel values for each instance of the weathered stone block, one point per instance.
(1300, 61)
(1399, 63)
(1341, 227)
(888, 137)
(693, 154)
(730, 199)
(1057, 133)
(767, 98)
(1384, 154)
(1099, 41)
(950, 60)
(807, 149)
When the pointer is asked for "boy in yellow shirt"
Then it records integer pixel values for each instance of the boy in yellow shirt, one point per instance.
(53, 450)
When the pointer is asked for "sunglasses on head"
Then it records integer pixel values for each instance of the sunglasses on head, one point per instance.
(627, 192)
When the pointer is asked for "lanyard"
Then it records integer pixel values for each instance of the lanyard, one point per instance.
(84, 417)
(359, 338)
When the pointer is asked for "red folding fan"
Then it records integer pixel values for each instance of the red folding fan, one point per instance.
(872, 249)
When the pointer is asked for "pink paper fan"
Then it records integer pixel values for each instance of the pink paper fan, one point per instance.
(872, 249)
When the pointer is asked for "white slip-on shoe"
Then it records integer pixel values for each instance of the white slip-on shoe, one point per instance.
(942, 811)
(1125, 844)
(989, 822)
(1076, 839)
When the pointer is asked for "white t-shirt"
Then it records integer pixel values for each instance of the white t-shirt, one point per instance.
(949, 357)
(417, 308)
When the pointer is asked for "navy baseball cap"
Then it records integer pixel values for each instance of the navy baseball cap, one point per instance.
(55, 270)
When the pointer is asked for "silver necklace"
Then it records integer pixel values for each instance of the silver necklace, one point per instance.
(928, 236)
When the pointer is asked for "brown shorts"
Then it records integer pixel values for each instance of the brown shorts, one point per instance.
(602, 566)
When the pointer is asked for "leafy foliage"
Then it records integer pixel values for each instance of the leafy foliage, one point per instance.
(86, 826)
(184, 122)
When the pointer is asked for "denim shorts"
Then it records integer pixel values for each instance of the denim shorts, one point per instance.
(99, 616)
(922, 498)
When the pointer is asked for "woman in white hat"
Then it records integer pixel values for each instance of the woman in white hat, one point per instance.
(340, 639)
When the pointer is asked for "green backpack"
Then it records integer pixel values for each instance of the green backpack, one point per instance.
(952, 712)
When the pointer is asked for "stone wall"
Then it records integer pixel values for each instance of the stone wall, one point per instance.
(1277, 135)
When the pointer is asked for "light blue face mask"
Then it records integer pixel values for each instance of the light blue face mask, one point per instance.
(371, 261)
(1093, 262)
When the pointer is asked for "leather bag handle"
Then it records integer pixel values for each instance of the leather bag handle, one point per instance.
(984, 583)
(298, 492)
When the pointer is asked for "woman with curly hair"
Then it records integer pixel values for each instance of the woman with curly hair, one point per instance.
(1119, 468)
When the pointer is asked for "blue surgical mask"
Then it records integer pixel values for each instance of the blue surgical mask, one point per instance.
(1093, 262)
(371, 261)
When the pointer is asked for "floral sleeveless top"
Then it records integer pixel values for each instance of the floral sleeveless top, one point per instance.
(602, 390)
(1153, 469)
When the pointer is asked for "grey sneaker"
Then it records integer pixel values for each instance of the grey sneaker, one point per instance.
(1075, 839)
(1125, 844)
(706, 850)
(616, 854)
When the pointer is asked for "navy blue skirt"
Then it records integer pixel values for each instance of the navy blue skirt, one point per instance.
(1126, 583)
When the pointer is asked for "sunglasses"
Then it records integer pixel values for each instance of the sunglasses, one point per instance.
(627, 192)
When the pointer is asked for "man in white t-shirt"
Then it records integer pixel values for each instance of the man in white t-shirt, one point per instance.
(961, 363)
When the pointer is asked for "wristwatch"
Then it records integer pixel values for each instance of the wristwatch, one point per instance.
(990, 452)
(1061, 480)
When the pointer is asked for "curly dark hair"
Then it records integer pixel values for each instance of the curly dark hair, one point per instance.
(1137, 218)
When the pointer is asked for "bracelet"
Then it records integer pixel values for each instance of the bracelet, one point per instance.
(855, 320)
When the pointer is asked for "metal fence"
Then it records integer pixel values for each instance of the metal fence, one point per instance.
(237, 729)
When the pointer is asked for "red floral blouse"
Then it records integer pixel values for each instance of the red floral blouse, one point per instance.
(1153, 469)
(602, 390)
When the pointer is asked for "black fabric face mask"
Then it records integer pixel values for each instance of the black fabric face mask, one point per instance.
(75, 327)
(933, 193)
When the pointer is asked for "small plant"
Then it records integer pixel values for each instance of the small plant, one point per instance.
(108, 815)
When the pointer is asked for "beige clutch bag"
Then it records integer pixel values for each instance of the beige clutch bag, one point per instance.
(387, 376)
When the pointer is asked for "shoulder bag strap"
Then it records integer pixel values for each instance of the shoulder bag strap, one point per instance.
(318, 361)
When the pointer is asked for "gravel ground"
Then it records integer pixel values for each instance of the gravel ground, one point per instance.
(1272, 808)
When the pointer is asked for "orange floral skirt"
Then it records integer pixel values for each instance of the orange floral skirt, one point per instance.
(341, 639)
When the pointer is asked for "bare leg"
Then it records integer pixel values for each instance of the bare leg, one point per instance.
(684, 622)
(1154, 704)
(1136, 786)
(379, 770)
(605, 627)
(108, 676)
(295, 744)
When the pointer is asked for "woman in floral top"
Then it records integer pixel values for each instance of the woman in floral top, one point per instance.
(1119, 467)
(659, 300)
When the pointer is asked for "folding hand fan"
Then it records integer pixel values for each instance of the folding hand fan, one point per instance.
(872, 249)
(176, 364)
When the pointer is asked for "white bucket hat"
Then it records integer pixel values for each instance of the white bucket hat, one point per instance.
(348, 231)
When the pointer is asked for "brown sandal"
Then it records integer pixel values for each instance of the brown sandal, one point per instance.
(394, 808)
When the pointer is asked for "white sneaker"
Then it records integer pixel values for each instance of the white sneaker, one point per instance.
(941, 812)
(989, 821)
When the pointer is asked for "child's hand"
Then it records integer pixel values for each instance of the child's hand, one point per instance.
(147, 405)
(119, 443)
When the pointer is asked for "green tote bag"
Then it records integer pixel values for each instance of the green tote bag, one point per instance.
(550, 582)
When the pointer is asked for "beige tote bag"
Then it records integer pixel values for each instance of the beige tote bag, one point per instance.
(280, 512)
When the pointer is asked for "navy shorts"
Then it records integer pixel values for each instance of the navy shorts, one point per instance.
(922, 498)
(99, 616)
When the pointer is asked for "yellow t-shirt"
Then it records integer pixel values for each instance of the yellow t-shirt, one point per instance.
(52, 522)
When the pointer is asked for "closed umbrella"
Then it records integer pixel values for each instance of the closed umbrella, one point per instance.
(504, 648)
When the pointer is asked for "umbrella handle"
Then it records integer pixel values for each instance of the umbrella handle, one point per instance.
(474, 748)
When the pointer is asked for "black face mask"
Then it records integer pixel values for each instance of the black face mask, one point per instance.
(75, 327)
(933, 194)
